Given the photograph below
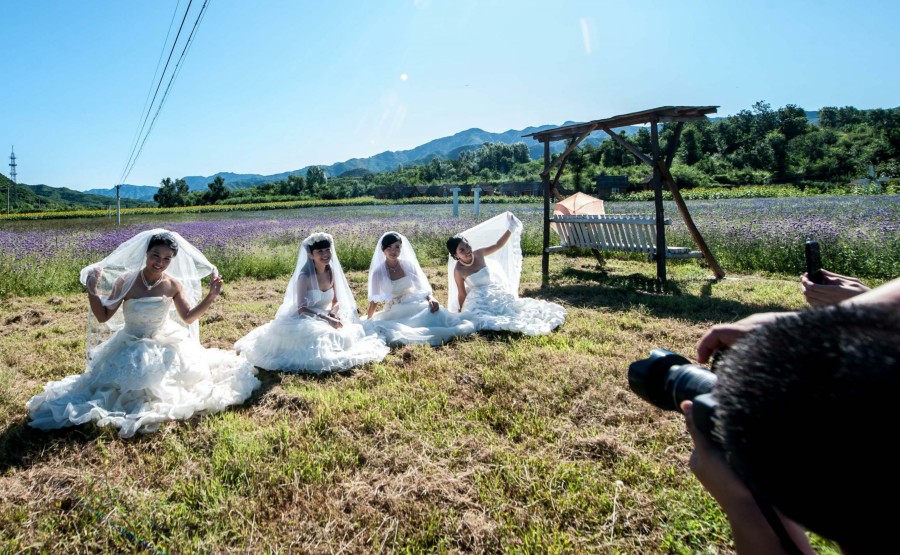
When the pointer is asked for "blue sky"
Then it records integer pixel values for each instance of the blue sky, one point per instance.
(271, 86)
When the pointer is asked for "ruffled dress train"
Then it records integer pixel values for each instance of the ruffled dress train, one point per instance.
(491, 307)
(147, 373)
(305, 343)
(407, 319)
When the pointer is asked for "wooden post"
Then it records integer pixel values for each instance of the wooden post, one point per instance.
(545, 254)
(689, 222)
(658, 201)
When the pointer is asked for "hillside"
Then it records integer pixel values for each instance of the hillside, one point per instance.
(38, 198)
(137, 192)
(444, 147)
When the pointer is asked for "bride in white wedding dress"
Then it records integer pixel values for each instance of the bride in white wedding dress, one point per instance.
(152, 368)
(316, 329)
(483, 273)
(411, 313)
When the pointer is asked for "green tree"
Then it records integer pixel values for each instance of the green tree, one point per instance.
(171, 193)
(578, 163)
(828, 117)
(792, 121)
(216, 191)
(315, 176)
(690, 146)
(294, 185)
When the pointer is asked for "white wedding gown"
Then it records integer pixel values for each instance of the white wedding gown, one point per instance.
(305, 343)
(149, 372)
(491, 307)
(407, 319)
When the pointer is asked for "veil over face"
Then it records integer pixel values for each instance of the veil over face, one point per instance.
(305, 269)
(380, 289)
(506, 263)
(121, 269)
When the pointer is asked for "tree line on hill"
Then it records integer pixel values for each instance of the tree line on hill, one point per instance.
(760, 145)
(19, 197)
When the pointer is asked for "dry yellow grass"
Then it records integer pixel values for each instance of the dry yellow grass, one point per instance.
(493, 443)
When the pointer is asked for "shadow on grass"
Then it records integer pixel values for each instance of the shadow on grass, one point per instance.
(600, 289)
(21, 445)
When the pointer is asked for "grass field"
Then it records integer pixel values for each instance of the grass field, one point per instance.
(494, 443)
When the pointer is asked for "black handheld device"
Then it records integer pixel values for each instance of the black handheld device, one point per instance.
(813, 262)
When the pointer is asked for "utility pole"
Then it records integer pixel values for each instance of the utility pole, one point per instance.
(12, 175)
(118, 206)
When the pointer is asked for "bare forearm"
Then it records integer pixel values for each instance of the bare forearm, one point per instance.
(196, 312)
(101, 312)
(886, 295)
(499, 244)
(753, 534)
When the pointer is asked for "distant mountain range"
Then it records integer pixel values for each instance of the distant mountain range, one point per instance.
(446, 148)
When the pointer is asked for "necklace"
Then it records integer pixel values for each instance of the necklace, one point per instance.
(393, 270)
(147, 285)
(464, 264)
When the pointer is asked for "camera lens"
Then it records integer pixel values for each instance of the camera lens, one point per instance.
(665, 379)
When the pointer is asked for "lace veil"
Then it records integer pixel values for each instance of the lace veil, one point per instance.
(380, 290)
(306, 269)
(505, 264)
(121, 269)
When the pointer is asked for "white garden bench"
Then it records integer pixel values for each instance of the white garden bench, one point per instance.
(613, 232)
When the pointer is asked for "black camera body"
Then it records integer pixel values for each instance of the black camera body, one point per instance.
(665, 379)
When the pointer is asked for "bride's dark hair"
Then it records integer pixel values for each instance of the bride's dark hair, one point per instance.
(389, 240)
(453, 244)
(164, 239)
(320, 244)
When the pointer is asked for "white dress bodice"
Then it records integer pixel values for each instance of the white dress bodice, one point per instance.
(320, 301)
(151, 371)
(145, 315)
(401, 287)
(482, 278)
(407, 318)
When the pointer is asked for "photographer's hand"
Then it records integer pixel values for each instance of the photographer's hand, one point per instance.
(751, 531)
(710, 467)
(833, 289)
(726, 335)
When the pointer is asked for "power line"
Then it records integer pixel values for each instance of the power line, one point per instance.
(142, 120)
(174, 74)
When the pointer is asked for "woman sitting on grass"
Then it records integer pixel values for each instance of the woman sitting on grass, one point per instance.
(411, 313)
(483, 273)
(316, 329)
(153, 368)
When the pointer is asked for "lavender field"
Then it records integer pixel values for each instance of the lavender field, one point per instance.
(858, 237)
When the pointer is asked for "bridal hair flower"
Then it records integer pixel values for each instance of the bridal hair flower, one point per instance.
(316, 237)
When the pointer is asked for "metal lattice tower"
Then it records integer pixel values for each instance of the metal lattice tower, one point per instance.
(12, 175)
(12, 164)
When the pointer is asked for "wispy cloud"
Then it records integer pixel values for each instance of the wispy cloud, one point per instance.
(586, 35)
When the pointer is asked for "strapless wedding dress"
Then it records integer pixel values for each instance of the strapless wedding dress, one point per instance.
(491, 307)
(305, 343)
(147, 373)
(407, 319)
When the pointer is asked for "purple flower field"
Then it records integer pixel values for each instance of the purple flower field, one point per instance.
(858, 236)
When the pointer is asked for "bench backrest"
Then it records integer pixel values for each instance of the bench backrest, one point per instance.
(621, 232)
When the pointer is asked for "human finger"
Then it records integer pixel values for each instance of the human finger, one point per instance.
(712, 341)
